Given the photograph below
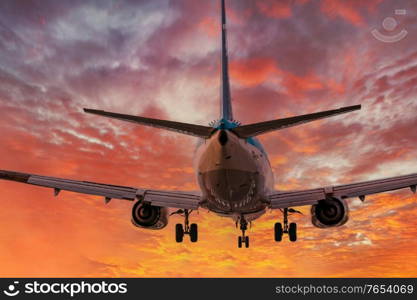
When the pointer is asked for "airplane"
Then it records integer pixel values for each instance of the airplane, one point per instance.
(233, 173)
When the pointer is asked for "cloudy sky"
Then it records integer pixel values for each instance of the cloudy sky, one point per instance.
(160, 58)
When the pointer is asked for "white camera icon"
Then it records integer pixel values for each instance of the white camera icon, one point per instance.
(11, 289)
(390, 24)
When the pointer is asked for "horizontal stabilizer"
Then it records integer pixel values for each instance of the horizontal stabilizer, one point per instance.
(251, 130)
(184, 128)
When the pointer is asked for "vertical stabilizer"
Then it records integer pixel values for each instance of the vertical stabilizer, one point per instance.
(225, 99)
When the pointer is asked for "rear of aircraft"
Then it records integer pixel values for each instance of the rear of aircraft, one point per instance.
(225, 121)
(232, 168)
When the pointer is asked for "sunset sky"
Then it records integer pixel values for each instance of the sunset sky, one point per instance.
(160, 59)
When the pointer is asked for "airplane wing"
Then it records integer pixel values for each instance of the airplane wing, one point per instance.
(250, 130)
(174, 199)
(285, 199)
(184, 128)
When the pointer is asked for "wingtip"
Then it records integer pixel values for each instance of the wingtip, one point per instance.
(353, 107)
(89, 110)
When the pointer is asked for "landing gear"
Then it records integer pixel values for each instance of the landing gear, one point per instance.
(180, 230)
(292, 232)
(193, 233)
(290, 229)
(278, 232)
(243, 239)
(179, 233)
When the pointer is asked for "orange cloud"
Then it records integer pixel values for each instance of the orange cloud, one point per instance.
(343, 9)
(275, 9)
(210, 26)
(278, 9)
(278, 160)
(252, 71)
(348, 10)
(297, 85)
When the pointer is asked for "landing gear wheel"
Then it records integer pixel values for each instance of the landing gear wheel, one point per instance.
(243, 239)
(181, 230)
(292, 232)
(179, 233)
(285, 228)
(278, 232)
(246, 241)
(193, 233)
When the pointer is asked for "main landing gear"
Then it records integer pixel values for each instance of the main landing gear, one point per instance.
(243, 239)
(180, 230)
(290, 229)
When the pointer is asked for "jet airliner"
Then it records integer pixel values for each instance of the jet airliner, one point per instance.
(233, 173)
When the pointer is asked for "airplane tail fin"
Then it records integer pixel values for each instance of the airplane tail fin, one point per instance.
(251, 130)
(225, 98)
(184, 128)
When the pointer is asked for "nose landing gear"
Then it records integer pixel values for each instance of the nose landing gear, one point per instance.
(180, 230)
(290, 229)
(243, 239)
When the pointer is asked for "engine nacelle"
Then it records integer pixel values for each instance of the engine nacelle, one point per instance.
(330, 212)
(149, 216)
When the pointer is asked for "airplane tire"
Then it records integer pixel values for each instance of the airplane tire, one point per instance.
(179, 233)
(193, 233)
(292, 232)
(278, 232)
(246, 241)
(239, 242)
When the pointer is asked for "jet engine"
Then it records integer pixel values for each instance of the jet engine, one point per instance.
(330, 212)
(149, 216)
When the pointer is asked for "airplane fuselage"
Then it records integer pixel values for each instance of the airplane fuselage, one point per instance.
(234, 175)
